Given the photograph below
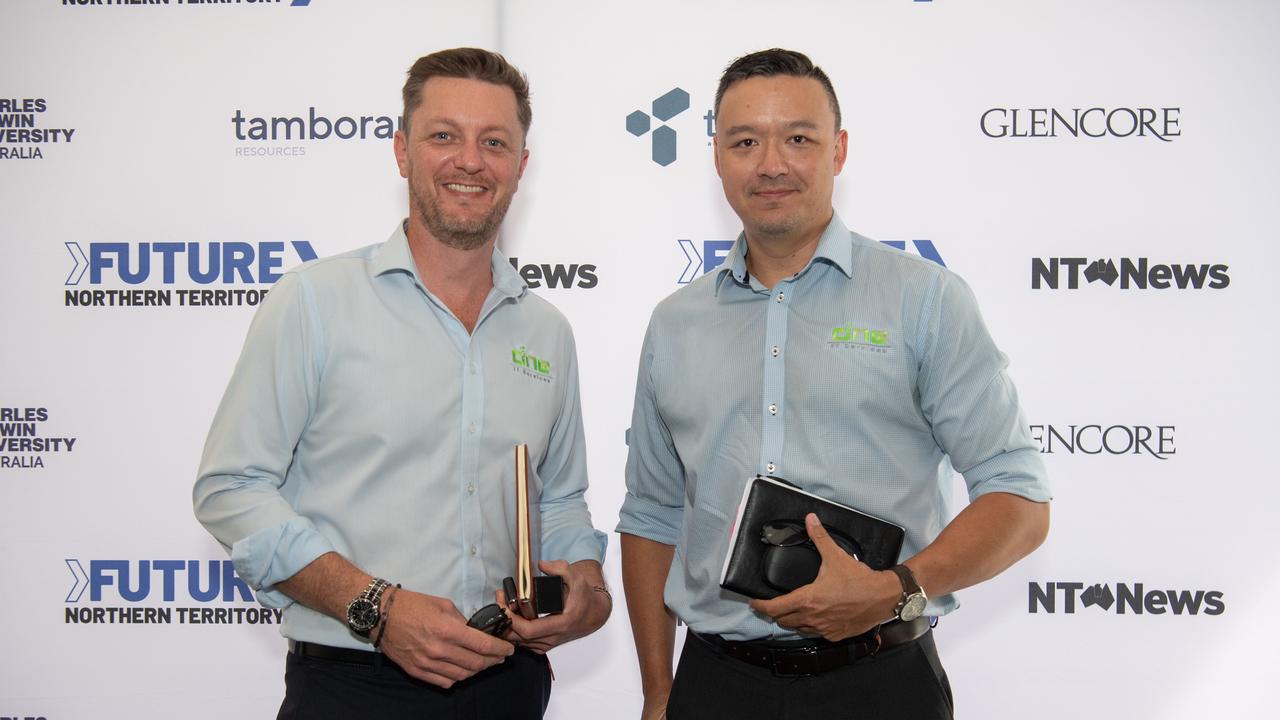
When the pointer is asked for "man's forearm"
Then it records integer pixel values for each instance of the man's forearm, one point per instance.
(327, 584)
(992, 533)
(645, 564)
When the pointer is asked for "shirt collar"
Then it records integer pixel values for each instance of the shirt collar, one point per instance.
(394, 256)
(835, 247)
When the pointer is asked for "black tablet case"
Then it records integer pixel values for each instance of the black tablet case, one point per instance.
(768, 499)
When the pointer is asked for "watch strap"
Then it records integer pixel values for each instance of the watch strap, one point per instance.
(910, 590)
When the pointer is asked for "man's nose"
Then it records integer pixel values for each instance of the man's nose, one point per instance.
(772, 164)
(468, 159)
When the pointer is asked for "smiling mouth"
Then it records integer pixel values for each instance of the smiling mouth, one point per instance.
(459, 187)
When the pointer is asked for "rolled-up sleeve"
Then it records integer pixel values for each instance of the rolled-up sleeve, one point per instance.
(567, 533)
(654, 505)
(250, 446)
(969, 399)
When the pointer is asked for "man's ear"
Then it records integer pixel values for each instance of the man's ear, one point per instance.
(401, 145)
(841, 150)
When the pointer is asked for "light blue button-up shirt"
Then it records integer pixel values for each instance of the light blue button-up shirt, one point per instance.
(362, 418)
(864, 378)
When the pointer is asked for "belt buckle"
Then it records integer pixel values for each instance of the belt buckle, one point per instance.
(804, 660)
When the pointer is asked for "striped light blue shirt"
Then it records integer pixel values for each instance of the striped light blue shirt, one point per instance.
(362, 418)
(864, 378)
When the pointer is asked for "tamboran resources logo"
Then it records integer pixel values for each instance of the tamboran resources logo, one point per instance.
(703, 257)
(278, 135)
(663, 148)
(21, 134)
(1128, 274)
(216, 272)
(126, 592)
(1121, 598)
(1148, 441)
(24, 443)
(1163, 123)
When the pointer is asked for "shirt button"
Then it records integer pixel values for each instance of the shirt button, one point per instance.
(781, 297)
(471, 488)
(473, 368)
(471, 428)
(776, 351)
(773, 409)
(770, 467)
(474, 550)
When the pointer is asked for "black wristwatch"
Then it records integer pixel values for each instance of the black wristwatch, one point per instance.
(362, 612)
(911, 604)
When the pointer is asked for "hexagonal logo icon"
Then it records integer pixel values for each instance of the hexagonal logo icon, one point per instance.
(663, 138)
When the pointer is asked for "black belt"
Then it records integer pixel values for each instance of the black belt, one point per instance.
(807, 658)
(344, 655)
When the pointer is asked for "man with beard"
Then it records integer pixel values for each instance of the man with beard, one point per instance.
(861, 374)
(368, 433)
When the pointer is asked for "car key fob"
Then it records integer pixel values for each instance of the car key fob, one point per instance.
(491, 619)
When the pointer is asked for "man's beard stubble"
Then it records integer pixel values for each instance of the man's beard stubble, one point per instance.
(460, 234)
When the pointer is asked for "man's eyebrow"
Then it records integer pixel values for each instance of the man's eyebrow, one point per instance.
(793, 125)
(446, 122)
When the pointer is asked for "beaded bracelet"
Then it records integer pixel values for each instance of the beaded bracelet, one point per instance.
(386, 617)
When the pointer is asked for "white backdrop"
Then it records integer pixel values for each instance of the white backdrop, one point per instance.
(147, 153)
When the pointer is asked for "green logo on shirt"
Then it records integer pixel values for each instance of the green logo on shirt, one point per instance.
(534, 367)
(851, 336)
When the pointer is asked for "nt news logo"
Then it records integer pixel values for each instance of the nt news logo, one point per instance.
(1132, 598)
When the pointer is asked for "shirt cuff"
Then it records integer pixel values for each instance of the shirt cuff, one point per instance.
(574, 545)
(1020, 473)
(650, 520)
(277, 553)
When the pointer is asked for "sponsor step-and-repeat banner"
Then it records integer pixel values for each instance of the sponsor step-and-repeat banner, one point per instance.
(1102, 175)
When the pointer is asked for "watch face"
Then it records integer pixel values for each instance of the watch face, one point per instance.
(912, 608)
(362, 615)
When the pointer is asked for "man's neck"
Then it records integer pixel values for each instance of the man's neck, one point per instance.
(771, 258)
(461, 279)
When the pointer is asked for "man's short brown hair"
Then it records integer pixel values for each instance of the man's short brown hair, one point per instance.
(468, 64)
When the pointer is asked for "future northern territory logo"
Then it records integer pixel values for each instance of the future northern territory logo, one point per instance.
(1133, 598)
(707, 255)
(1127, 274)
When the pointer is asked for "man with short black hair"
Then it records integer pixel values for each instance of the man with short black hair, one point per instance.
(861, 374)
(368, 432)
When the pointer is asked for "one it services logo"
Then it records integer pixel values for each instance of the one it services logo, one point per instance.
(21, 134)
(707, 255)
(1121, 598)
(218, 274)
(853, 336)
(126, 592)
(530, 366)
(1128, 274)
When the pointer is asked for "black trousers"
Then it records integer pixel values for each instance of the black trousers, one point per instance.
(517, 689)
(906, 682)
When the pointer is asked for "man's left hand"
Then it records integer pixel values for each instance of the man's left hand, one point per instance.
(847, 598)
(585, 609)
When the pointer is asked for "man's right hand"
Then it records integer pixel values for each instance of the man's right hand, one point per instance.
(429, 638)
